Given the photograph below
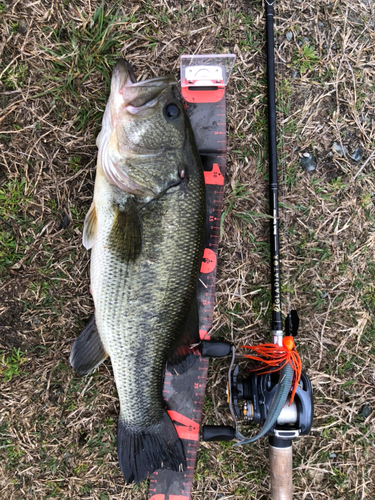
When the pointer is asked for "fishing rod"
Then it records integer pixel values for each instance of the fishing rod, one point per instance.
(277, 395)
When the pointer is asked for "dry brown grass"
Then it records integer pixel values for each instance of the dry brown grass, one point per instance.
(58, 430)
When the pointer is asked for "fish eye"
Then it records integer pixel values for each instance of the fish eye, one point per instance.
(171, 111)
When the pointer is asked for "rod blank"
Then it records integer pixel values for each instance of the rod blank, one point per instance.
(273, 182)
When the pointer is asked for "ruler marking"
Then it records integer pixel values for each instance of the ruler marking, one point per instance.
(161, 480)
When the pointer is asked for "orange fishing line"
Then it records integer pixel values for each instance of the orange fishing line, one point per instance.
(277, 357)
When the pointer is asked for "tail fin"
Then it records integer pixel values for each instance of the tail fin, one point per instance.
(142, 452)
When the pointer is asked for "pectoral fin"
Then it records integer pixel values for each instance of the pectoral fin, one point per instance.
(89, 228)
(125, 239)
(87, 351)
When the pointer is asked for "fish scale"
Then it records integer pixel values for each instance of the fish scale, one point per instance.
(129, 328)
(156, 134)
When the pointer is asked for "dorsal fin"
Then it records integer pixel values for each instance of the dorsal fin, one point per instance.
(89, 228)
(87, 351)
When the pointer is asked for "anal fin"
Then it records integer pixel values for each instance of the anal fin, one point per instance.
(87, 351)
(184, 355)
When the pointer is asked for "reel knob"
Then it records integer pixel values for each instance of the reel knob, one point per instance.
(215, 348)
(218, 433)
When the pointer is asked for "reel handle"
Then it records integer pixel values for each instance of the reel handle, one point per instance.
(215, 348)
(218, 433)
(281, 465)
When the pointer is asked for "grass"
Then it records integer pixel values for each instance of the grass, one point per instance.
(82, 53)
(57, 430)
(15, 77)
(10, 365)
(305, 58)
(12, 198)
(13, 206)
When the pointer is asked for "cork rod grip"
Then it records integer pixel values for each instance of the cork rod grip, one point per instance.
(281, 465)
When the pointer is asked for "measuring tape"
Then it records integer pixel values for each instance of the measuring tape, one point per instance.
(203, 81)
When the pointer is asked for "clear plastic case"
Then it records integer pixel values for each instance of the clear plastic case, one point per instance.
(206, 70)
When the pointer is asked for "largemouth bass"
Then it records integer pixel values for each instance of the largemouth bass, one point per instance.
(145, 229)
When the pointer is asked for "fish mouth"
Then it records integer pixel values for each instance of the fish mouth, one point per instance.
(137, 93)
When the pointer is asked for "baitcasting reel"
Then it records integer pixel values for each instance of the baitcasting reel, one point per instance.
(250, 401)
